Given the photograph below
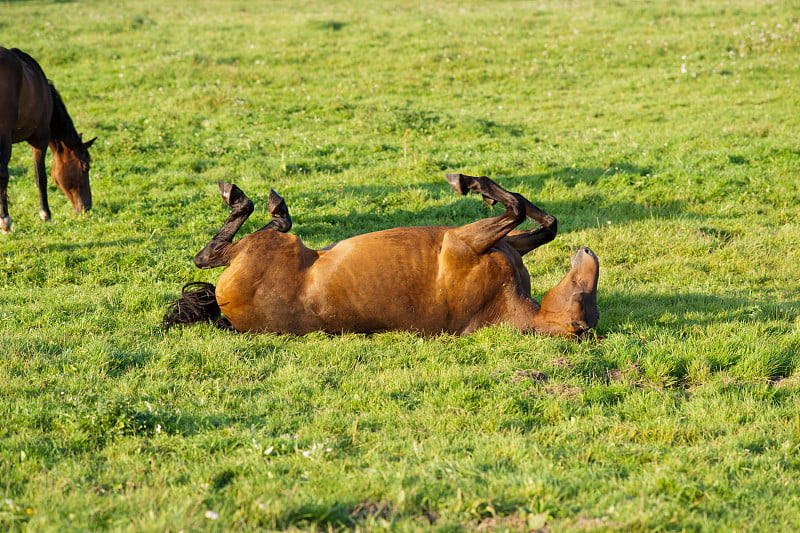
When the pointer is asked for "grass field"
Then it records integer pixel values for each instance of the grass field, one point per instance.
(663, 135)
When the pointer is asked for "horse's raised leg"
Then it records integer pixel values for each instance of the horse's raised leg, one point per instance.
(276, 207)
(214, 254)
(525, 241)
(485, 233)
(41, 180)
(5, 157)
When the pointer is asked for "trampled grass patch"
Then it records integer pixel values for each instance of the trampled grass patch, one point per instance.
(661, 136)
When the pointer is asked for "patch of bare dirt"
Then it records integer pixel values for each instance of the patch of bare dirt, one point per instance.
(631, 372)
(372, 510)
(561, 362)
(528, 375)
(515, 522)
(594, 524)
(791, 382)
(563, 391)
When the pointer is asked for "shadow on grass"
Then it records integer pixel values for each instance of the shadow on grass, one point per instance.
(350, 514)
(384, 207)
(571, 176)
(699, 328)
(680, 310)
(73, 247)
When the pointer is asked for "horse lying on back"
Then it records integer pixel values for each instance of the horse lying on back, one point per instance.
(428, 280)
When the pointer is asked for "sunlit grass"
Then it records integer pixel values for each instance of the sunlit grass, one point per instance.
(662, 136)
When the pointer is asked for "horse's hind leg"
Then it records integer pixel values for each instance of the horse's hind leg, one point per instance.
(522, 241)
(215, 253)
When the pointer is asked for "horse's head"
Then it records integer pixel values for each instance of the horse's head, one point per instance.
(71, 174)
(570, 308)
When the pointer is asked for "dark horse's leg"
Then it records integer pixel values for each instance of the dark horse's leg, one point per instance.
(214, 254)
(41, 178)
(5, 157)
(9, 82)
(483, 234)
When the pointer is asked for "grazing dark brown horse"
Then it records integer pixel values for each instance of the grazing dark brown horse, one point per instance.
(31, 110)
(424, 279)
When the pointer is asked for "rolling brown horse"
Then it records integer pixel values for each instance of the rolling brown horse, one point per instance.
(32, 110)
(424, 279)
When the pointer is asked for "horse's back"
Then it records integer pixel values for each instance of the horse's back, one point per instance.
(10, 64)
(26, 105)
(10, 80)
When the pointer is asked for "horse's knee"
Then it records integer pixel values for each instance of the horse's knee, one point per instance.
(551, 228)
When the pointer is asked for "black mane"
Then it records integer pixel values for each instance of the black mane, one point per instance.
(196, 304)
(61, 127)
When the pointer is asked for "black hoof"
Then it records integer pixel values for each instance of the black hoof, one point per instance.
(276, 206)
(231, 193)
(456, 181)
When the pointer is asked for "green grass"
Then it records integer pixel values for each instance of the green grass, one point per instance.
(662, 135)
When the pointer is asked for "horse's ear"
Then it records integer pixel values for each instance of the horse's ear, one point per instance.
(87, 144)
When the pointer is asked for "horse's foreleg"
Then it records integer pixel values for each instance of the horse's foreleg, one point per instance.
(276, 207)
(5, 157)
(41, 181)
(214, 253)
(522, 241)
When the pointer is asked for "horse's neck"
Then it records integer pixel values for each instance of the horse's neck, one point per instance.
(522, 313)
(63, 135)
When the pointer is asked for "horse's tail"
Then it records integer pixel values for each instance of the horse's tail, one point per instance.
(196, 304)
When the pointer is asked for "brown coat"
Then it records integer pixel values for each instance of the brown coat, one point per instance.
(428, 280)
(32, 110)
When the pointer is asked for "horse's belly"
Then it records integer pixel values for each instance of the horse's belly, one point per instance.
(21, 134)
